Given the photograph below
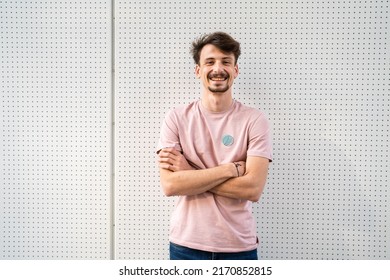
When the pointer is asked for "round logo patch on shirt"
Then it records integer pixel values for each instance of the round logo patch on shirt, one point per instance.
(227, 140)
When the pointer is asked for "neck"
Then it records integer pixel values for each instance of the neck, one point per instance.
(217, 102)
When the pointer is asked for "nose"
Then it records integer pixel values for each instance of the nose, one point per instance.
(217, 67)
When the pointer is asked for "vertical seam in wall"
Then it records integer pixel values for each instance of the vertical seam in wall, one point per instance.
(112, 171)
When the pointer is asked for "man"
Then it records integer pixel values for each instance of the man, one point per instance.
(214, 154)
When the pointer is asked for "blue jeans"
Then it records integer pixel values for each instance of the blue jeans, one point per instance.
(177, 252)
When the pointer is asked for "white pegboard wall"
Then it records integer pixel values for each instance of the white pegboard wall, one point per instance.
(55, 130)
(319, 70)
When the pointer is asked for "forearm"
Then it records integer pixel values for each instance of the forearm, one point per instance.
(239, 188)
(192, 182)
(249, 186)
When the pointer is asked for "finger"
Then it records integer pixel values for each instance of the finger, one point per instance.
(172, 151)
(166, 155)
(166, 166)
(165, 160)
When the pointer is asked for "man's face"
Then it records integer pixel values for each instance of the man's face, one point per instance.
(217, 70)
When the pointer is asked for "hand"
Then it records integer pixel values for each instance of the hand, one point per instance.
(173, 160)
(240, 168)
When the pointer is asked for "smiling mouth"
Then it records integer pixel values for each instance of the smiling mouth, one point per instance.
(218, 78)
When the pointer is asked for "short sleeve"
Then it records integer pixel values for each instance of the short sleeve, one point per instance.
(259, 142)
(169, 134)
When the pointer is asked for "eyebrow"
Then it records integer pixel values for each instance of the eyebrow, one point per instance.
(223, 58)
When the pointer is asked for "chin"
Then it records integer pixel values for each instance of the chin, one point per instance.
(218, 90)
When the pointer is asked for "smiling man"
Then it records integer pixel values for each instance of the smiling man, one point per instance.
(214, 154)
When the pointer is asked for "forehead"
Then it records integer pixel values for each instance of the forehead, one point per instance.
(212, 52)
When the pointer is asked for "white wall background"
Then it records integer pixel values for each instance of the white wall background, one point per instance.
(319, 69)
(55, 129)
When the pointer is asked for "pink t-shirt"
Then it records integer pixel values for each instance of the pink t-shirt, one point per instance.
(206, 221)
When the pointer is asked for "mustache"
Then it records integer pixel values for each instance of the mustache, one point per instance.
(218, 75)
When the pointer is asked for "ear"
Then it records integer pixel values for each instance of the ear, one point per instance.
(197, 71)
(236, 71)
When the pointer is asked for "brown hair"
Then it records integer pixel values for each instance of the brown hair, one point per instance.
(221, 40)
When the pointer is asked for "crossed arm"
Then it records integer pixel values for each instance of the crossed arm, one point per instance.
(246, 181)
